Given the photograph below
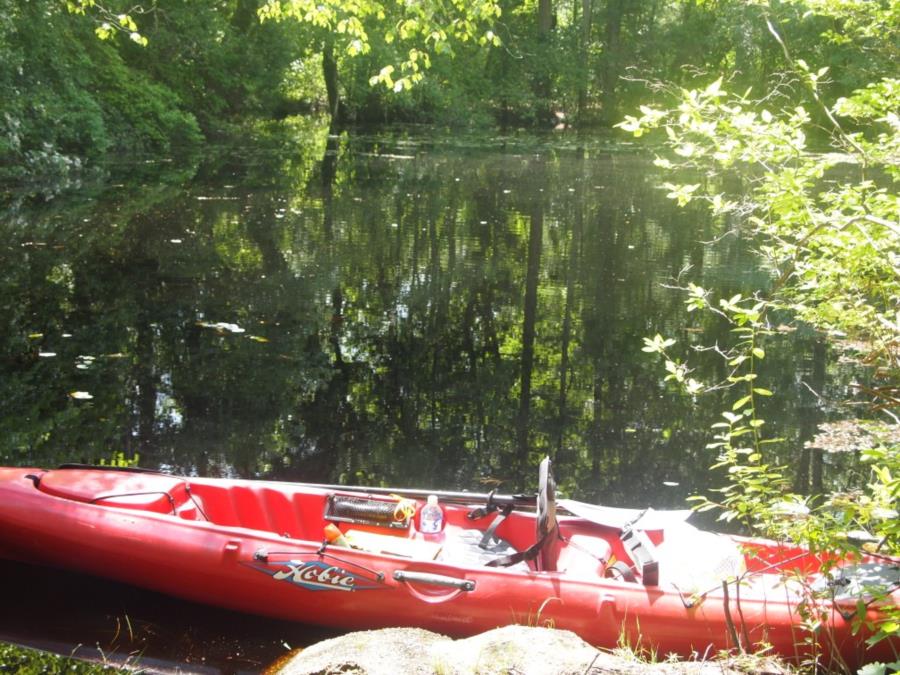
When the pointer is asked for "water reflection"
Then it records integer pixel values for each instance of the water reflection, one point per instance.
(402, 309)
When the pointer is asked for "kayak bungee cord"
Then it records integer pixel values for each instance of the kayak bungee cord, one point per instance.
(187, 488)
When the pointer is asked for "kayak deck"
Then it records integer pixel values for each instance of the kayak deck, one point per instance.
(301, 513)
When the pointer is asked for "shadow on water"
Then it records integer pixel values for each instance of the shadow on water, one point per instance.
(100, 620)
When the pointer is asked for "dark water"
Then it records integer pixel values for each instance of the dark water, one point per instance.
(102, 621)
(406, 309)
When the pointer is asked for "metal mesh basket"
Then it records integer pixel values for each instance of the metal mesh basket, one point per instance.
(364, 511)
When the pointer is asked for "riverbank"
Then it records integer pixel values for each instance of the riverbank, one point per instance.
(523, 650)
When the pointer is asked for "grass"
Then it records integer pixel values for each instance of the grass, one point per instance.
(24, 661)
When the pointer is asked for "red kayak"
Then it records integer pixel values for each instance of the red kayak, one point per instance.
(358, 558)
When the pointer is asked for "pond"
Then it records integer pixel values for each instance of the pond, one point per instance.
(414, 308)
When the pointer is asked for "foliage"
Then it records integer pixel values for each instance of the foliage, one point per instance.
(224, 66)
(32, 662)
(109, 22)
(414, 30)
(827, 224)
(757, 492)
(119, 460)
(67, 97)
(164, 72)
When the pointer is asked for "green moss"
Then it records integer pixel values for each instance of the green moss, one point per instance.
(30, 661)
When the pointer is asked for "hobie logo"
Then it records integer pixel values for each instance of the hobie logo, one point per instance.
(317, 575)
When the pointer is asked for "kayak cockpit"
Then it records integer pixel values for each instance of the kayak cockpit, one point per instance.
(687, 561)
(579, 547)
(265, 507)
(302, 512)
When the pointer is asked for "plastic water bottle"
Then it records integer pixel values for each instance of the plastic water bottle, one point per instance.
(431, 518)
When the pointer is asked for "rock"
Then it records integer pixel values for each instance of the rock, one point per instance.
(389, 651)
(511, 650)
(517, 649)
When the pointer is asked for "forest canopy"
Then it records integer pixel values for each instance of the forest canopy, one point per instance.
(81, 79)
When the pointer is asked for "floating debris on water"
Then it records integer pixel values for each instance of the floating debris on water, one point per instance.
(221, 326)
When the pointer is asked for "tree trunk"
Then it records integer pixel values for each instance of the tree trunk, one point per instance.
(245, 15)
(545, 18)
(529, 321)
(587, 17)
(330, 73)
(609, 75)
(571, 273)
(542, 85)
(145, 379)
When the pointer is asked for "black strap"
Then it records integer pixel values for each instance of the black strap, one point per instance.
(482, 511)
(528, 554)
(642, 552)
(489, 533)
(622, 570)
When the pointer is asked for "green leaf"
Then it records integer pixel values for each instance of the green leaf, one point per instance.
(741, 402)
(714, 89)
(761, 391)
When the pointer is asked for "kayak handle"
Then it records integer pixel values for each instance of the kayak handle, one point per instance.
(434, 580)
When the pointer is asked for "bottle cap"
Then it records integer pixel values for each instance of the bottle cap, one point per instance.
(432, 499)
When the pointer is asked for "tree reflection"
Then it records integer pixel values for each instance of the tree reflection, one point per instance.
(389, 310)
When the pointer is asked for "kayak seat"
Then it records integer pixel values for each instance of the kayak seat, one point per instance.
(298, 516)
(584, 556)
(143, 491)
(464, 547)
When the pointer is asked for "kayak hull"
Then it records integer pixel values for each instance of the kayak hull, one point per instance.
(257, 547)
